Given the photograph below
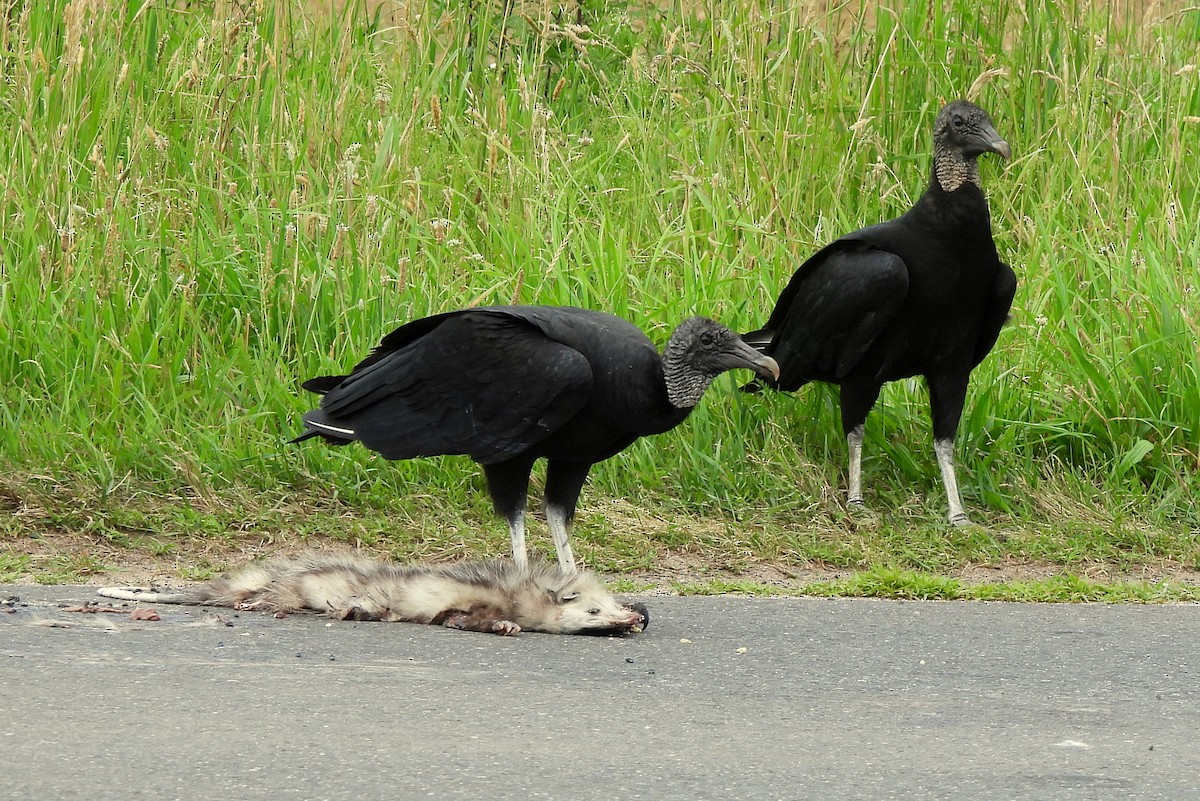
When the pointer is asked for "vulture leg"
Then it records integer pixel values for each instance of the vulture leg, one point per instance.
(508, 484)
(856, 402)
(947, 394)
(516, 535)
(564, 482)
(559, 523)
(854, 441)
(944, 448)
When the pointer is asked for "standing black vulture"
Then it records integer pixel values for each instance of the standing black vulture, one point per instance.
(923, 294)
(506, 385)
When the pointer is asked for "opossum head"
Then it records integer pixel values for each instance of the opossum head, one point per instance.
(581, 605)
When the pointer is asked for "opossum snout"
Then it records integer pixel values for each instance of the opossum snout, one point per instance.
(613, 620)
(631, 617)
(643, 612)
(621, 617)
(637, 624)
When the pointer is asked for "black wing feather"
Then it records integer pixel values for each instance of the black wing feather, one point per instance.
(1003, 290)
(833, 310)
(481, 384)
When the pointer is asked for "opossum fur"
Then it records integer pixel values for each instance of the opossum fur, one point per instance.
(492, 596)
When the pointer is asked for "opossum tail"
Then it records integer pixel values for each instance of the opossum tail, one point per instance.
(151, 595)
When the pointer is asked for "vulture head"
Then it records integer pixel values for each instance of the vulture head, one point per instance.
(962, 133)
(700, 350)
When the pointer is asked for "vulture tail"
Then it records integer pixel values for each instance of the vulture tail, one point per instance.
(319, 426)
(322, 384)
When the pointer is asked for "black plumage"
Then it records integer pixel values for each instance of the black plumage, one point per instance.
(507, 385)
(922, 294)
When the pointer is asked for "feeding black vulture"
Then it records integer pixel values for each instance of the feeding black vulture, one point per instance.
(506, 385)
(923, 294)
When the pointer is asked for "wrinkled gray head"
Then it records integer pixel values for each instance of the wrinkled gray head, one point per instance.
(700, 350)
(962, 133)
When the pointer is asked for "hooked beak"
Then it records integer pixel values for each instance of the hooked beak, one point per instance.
(992, 143)
(766, 366)
(757, 361)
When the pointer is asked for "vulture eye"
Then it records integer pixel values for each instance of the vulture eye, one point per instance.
(959, 122)
(707, 339)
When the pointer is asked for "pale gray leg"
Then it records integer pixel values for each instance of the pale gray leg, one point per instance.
(944, 448)
(854, 441)
(556, 519)
(516, 532)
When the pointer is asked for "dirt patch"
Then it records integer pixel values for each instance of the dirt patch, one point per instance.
(63, 535)
(98, 563)
(678, 569)
(119, 566)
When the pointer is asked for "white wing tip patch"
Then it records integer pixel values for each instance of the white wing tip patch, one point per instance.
(349, 432)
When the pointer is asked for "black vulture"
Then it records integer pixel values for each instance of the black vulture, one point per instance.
(506, 385)
(922, 294)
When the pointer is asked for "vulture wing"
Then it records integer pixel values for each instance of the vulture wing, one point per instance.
(832, 310)
(1004, 288)
(474, 382)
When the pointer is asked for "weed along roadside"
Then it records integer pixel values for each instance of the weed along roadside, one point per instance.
(205, 206)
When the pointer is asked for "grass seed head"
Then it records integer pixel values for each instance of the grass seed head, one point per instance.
(435, 112)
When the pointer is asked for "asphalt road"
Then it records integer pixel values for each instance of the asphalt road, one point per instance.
(721, 698)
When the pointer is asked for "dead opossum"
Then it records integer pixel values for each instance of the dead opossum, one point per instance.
(494, 596)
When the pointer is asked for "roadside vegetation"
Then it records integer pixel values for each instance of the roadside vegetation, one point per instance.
(204, 204)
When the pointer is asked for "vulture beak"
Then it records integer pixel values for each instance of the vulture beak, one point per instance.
(992, 143)
(765, 366)
(738, 353)
(757, 361)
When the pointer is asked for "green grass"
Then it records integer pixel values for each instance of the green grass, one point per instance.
(200, 210)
